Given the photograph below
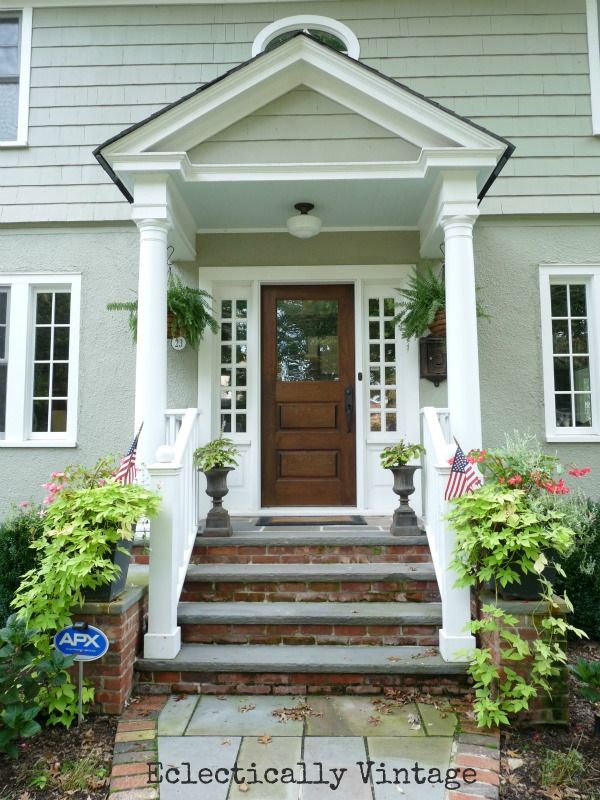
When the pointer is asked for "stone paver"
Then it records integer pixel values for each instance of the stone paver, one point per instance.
(206, 753)
(437, 721)
(352, 751)
(404, 753)
(337, 753)
(279, 754)
(356, 716)
(175, 716)
(226, 717)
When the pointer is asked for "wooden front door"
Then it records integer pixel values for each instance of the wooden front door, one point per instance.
(308, 414)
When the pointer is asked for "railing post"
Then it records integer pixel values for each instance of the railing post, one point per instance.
(455, 638)
(163, 639)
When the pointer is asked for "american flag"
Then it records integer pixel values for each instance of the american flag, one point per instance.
(127, 468)
(462, 478)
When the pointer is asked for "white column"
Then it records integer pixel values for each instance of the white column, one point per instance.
(461, 330)
(151, 353)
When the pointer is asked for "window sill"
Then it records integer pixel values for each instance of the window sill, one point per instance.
(39, 443)
(573, 438)
(15, 143)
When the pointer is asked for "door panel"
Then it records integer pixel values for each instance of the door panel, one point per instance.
(308, 431)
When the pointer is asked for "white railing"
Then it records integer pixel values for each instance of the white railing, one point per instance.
(173, 531)
(456, 608)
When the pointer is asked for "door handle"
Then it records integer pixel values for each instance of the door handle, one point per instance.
(349, 406)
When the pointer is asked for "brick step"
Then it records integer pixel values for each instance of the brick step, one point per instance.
(265, 669)
(311, 583)
(304, 548)
(311, 623)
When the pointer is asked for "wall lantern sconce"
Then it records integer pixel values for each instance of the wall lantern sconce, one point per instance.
(303, 226)
(432, 359)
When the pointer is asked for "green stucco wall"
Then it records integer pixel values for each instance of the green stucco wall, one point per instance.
(507, 256)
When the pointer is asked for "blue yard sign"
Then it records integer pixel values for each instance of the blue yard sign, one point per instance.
(84, 644)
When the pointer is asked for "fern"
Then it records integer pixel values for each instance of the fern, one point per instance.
(190, 309)
(420, 301)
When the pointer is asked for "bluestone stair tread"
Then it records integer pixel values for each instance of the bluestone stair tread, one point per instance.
(305, 573)
(241, 613)
(310, 538)
(338, 659)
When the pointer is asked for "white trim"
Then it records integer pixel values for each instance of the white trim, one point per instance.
(305, 22)
(590, 275)
(593, 39)
(25, 29)
(20, 359)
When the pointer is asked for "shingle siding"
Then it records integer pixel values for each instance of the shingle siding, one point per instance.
(518, 67)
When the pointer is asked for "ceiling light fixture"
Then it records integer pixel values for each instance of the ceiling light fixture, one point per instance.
(302, 225)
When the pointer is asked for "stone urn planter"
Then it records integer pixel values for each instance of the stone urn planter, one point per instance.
(396, 458)
(216, 460)
(217, 521)
(404, 522)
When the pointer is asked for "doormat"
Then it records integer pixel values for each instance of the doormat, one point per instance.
(285, 521)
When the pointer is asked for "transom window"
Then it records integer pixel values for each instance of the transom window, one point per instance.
(327, 30)
(570, 344)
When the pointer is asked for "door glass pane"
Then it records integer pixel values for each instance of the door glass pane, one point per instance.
(307, 340)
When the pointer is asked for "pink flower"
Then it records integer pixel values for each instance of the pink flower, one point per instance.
(57, 475)
(47, 500)
(24, 504)
(579, 473)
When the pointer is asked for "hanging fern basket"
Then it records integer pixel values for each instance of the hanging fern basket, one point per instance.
(438, 326)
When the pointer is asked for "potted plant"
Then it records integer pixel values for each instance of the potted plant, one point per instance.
(83, 528)
(216, 460)
(188, 312)
(396, 458)
(422, 304)
(524, 484)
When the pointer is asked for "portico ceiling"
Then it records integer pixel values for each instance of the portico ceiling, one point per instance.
(299, 123)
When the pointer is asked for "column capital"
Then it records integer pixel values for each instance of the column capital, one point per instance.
(145, 223)
(452, 222)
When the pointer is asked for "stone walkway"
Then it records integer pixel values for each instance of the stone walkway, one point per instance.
(298, 748)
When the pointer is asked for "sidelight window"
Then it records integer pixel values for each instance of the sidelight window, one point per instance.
(382, 375)
(233, 350)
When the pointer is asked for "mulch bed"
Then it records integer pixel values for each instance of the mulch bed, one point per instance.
(523, 751)
(59, 759)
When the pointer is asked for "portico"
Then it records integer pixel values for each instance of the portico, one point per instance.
(303, 122)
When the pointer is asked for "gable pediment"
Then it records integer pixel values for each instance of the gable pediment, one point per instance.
(304, 126)
(360, 114)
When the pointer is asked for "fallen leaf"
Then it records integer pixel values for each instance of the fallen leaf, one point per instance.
(295, 713)
(226, 741)
(393, 658)
(245, 709)
(244, 787)
(514, 763)
(265, 739)
(374, 721)
(414, 723)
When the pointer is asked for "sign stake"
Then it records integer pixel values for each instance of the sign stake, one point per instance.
(80, 705)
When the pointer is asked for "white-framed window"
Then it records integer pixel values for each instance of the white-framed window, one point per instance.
(570, 301)
(15, 64)
(328, 30)
(593, 36)
(233, 364)
(39, 359)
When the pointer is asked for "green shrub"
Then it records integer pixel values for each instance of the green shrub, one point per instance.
(16, 555)
(26, 678)
(581, 581)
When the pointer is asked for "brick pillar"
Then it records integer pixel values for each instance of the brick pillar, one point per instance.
(122, 620)
(543, 710)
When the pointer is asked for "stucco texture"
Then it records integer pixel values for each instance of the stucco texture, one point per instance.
(507, 257)
(107, 260)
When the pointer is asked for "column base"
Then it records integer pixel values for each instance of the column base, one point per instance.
(456, 649)
(162, 645)
(217, 523)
